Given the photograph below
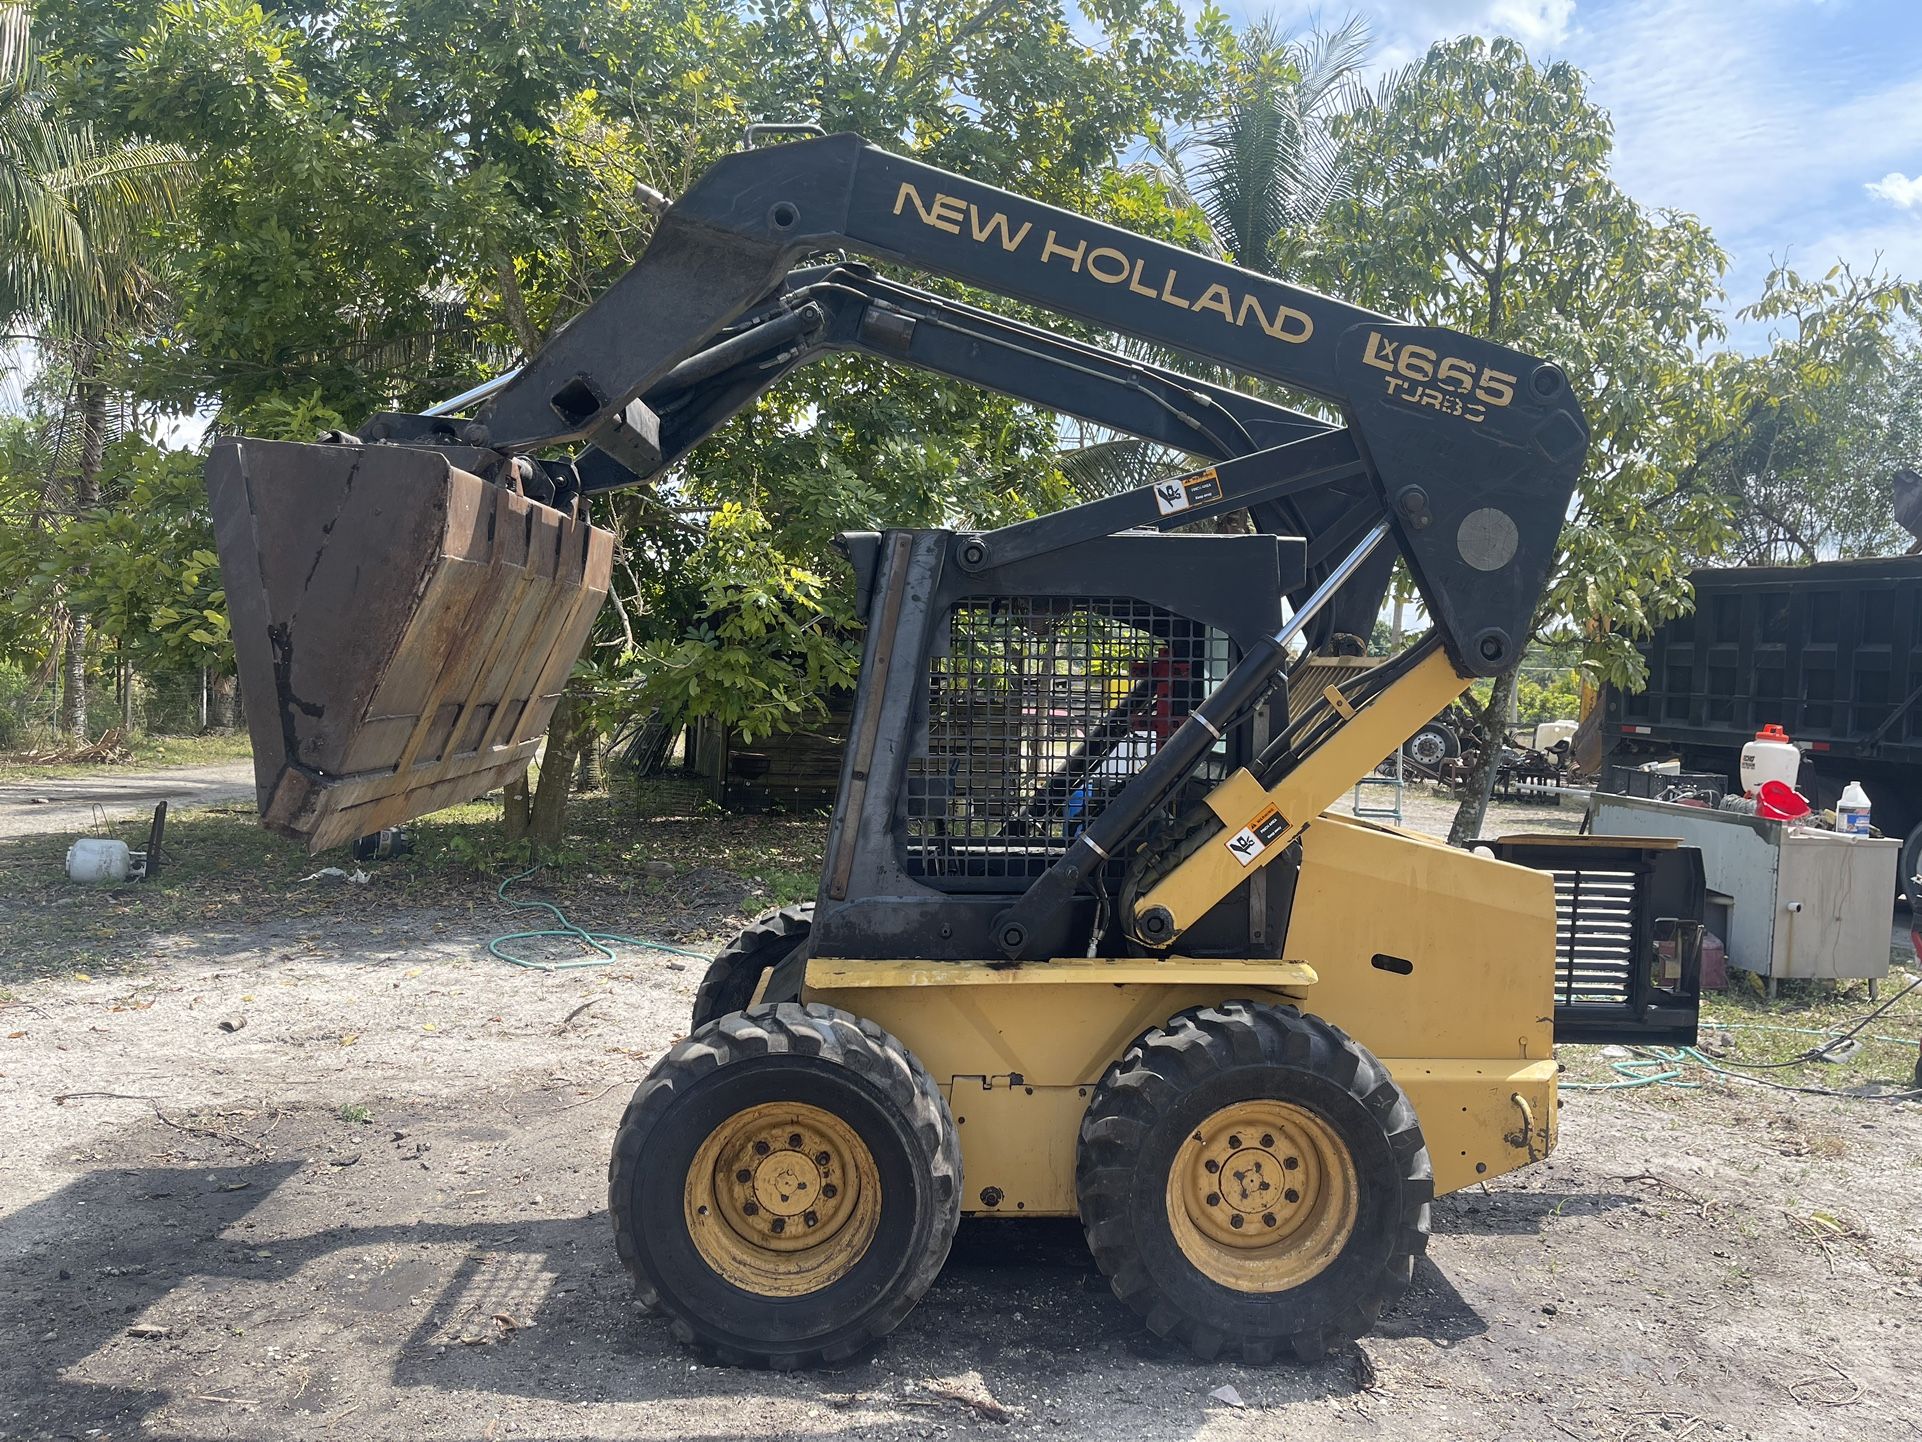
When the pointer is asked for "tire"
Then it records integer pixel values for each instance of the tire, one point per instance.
(1144, 1144)
(1911, 863)
(888, 1200)
(732, 977)
(1432, 745)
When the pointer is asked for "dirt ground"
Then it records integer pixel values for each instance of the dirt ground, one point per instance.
(341, 1175)
(70, 803)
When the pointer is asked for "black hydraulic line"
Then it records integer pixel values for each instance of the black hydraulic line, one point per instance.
(748, 346)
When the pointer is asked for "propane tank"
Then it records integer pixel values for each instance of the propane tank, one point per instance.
(1852, 810)
(1771, 756)
(94, 859)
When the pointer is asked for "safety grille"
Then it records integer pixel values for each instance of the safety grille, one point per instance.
(1039, 710)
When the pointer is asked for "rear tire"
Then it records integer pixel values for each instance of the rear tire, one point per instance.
(1259, 1115)
(1432, 745)
(1911, 863)
(735, 975)
(785, 1186)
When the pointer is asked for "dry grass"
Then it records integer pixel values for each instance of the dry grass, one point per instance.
(223, 871)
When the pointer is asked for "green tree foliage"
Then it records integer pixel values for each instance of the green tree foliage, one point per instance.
(1483, 201)
(1816, 426)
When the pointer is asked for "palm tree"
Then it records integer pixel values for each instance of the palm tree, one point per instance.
(1263, 169)
(1269, 163)
(73, 213)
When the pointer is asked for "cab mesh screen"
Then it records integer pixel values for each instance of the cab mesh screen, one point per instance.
(1039, 709)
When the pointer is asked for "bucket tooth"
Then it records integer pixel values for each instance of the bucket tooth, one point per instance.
(403, 628)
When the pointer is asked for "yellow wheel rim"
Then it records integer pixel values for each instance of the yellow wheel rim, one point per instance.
(782, 1199)
(1262, 1196)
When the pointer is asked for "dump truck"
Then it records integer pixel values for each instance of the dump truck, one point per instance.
(1826, 651)
(1088, 941)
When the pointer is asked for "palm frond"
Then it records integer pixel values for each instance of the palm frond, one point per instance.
(1107, 468)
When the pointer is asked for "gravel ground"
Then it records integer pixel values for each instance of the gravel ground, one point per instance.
(344, 1178)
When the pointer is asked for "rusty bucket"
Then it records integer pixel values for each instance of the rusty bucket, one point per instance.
(403, 628)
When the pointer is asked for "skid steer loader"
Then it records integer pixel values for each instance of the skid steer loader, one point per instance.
(1088, 940)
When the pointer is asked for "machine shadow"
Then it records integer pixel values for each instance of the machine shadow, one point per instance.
(1516, 1212)
(83, 1264)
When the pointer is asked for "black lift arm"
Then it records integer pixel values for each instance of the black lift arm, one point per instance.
(1471, 450)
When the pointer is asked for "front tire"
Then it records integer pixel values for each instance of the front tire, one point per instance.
(1252, 1181)
(785, 1186)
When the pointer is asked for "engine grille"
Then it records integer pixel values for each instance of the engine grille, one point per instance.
(1595, 938)
(1039, 709)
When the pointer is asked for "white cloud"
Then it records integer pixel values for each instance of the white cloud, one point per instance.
(1902, 191)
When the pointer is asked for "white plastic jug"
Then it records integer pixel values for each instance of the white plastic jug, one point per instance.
(92, 859)
(1852, 810)
(1771, 756)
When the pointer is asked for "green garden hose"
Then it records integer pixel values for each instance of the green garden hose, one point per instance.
(565, 930)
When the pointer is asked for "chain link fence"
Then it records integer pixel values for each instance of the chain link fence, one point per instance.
(168, 703)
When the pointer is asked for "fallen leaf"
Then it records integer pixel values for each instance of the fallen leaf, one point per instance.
(1227, 1396)
(349, 1038)
(15, 1035)
(81, 976)
(429, 1026)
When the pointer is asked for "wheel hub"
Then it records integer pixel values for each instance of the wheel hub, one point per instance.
(1262, 1196)
(782, 1198)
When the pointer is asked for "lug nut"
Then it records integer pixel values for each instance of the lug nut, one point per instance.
(1235, 1221)
(1291, 1162)
(1267, 1219)
(821, 1159)
(744, 1175)
(1267, 1139)
(794, 1139)
(810, 1218)
(829, 1191)
(1291, 1195)
(1212, 1165)
(1214, 1199)
(1235, 1142)
(750, 1209)
(761, 1149)
(777, 1226)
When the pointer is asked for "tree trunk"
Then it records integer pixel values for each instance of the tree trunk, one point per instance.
(514, 808)
(548, 815)
(86, 496)
(590, 776)
(1481, 781)
(223, 694)
(73, 680)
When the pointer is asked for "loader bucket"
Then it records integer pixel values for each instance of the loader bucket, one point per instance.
(403, 628)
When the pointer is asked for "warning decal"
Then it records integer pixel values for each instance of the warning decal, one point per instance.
(1180, 492)
(1257, 836)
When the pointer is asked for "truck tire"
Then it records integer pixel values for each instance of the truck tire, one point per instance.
(1432, 745)
(732, 977)
(785, 1186)
(1253, 1182)
(1911, 864)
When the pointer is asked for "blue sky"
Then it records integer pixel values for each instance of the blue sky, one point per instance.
(1792, 127)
